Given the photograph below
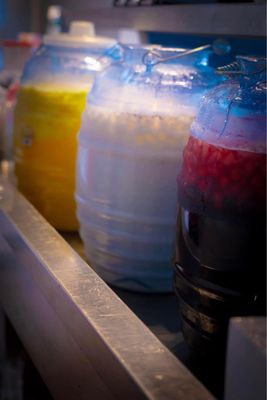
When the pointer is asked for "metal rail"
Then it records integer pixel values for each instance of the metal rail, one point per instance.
(85, 342)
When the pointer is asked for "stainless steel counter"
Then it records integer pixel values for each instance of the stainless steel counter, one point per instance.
(82, 337)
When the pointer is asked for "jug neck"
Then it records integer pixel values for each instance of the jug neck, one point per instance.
(149, 55)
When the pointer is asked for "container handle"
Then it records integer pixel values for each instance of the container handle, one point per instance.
(219, 47)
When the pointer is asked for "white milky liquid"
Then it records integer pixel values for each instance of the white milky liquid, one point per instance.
(127, 194)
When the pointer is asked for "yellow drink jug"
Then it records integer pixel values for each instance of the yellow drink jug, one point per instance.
(47, 120)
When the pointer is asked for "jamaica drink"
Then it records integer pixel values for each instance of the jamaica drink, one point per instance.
(220, 246)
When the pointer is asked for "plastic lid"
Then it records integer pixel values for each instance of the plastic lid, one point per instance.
(15, 43)
(82, 28)
(81, 34)
(31, 38)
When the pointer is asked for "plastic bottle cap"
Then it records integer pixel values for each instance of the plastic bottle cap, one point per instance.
(82, 28)
(81, 35)
(54, 12)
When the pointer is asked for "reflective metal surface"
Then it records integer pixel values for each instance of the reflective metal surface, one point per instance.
(83, 339)
(245, 376)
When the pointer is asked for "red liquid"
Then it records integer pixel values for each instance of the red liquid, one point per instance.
(214, 178)
(220, 267)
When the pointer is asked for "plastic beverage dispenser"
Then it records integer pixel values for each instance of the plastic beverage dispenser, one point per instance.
(133, 132)
(51, 99)
(220, 250)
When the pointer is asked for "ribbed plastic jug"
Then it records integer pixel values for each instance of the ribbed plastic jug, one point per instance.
(220, 264)
(52, 96)
(133, 132)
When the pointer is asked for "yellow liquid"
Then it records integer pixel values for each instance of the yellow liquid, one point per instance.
(47, 121)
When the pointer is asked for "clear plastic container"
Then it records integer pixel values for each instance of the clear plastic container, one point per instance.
(133, 132)
(16, 53)
(52, 96)
(220, 263)
(2, 122)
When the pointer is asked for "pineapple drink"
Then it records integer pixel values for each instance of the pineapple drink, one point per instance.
(47, 120)
(54, 86)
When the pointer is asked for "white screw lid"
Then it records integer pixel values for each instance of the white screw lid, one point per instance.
(81, 34)
(82, 28)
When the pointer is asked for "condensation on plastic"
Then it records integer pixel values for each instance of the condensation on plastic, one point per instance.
(233, 114)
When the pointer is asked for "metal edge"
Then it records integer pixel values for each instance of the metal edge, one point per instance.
(72, 324)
